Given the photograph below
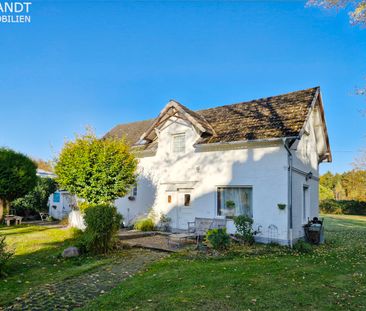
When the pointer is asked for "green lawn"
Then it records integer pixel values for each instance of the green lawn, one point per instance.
(333, 277)
(257, 278)
(37, 259)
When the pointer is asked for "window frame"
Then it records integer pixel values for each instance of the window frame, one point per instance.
(218, 200)
(181, 149)
(305, 203)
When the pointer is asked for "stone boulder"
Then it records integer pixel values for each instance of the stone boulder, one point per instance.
(71, 251)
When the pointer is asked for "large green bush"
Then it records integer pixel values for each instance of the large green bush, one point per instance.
(343, 207)
(36, 200)
(4, 256)
(218, 238)
(97, 170)
(17, 177)
(144, 224)
(102, 223)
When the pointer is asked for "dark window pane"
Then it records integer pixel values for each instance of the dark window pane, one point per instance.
(187, 199)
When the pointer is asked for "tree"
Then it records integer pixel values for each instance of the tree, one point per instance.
(325, 193)
(357, 13)
(354, 183)
(97, 170)
(37, 198)
(17, 177)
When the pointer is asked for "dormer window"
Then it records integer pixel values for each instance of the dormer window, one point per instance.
(179, 143)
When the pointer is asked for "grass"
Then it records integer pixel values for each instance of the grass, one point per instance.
(37, 259)
(332, 277)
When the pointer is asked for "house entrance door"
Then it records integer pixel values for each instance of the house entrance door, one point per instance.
(185, 213)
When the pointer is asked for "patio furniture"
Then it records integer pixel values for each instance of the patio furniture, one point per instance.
(10, 218)
(200, 226)
(176, 239)
(43, 216)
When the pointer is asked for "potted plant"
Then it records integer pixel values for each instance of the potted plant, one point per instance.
(230, 207)
(281, 206)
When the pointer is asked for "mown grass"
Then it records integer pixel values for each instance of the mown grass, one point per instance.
(332, 277)
(37, 259)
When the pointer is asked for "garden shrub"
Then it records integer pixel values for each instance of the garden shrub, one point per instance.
(302, 247)
(102, 223)
(4, 256)
(144, 224)
(244, 228)
(37, 199)
(350, 207)
(218, 238)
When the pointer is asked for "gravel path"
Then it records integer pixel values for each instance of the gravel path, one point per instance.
(78, 291)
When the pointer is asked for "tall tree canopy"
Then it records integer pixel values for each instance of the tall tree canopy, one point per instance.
(349, 185)
(358, 8)
(97, 170)
(17, 177)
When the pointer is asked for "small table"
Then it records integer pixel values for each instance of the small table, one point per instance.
(177, 238)
(9, 218)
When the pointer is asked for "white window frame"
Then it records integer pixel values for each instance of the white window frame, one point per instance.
(233, 186)
(182, 145)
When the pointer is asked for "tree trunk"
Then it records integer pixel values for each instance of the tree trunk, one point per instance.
(7, 207)
(1, 210)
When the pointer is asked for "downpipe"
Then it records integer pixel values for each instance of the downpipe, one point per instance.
(289, 187)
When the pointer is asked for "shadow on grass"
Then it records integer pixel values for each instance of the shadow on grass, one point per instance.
(23, 230)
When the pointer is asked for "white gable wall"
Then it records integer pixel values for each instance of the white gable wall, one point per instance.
(306, 159)
(264, 168)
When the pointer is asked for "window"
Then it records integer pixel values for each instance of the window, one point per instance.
(179, 143)
(305, 203)
(234, 201)
(133, 192)
(56, 197)
(187, 200)
(169, 198)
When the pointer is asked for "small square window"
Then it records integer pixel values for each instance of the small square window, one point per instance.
(179, 143)
(169, 198)
(187, 200)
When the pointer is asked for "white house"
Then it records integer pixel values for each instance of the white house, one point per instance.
(60, 202)
(260, 156)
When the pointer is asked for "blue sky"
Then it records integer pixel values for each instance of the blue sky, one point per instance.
(102, 63)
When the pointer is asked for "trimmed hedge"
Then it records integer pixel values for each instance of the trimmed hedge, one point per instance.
(349, 207)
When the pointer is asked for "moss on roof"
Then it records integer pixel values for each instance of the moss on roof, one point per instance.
(265, 118)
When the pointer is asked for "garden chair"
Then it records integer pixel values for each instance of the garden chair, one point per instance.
(200, 226)
(43, 216)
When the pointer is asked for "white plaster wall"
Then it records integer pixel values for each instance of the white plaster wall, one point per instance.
(305, 158)
(262, 168)
(63, 207)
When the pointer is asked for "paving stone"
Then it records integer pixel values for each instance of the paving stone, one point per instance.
(77, 291)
